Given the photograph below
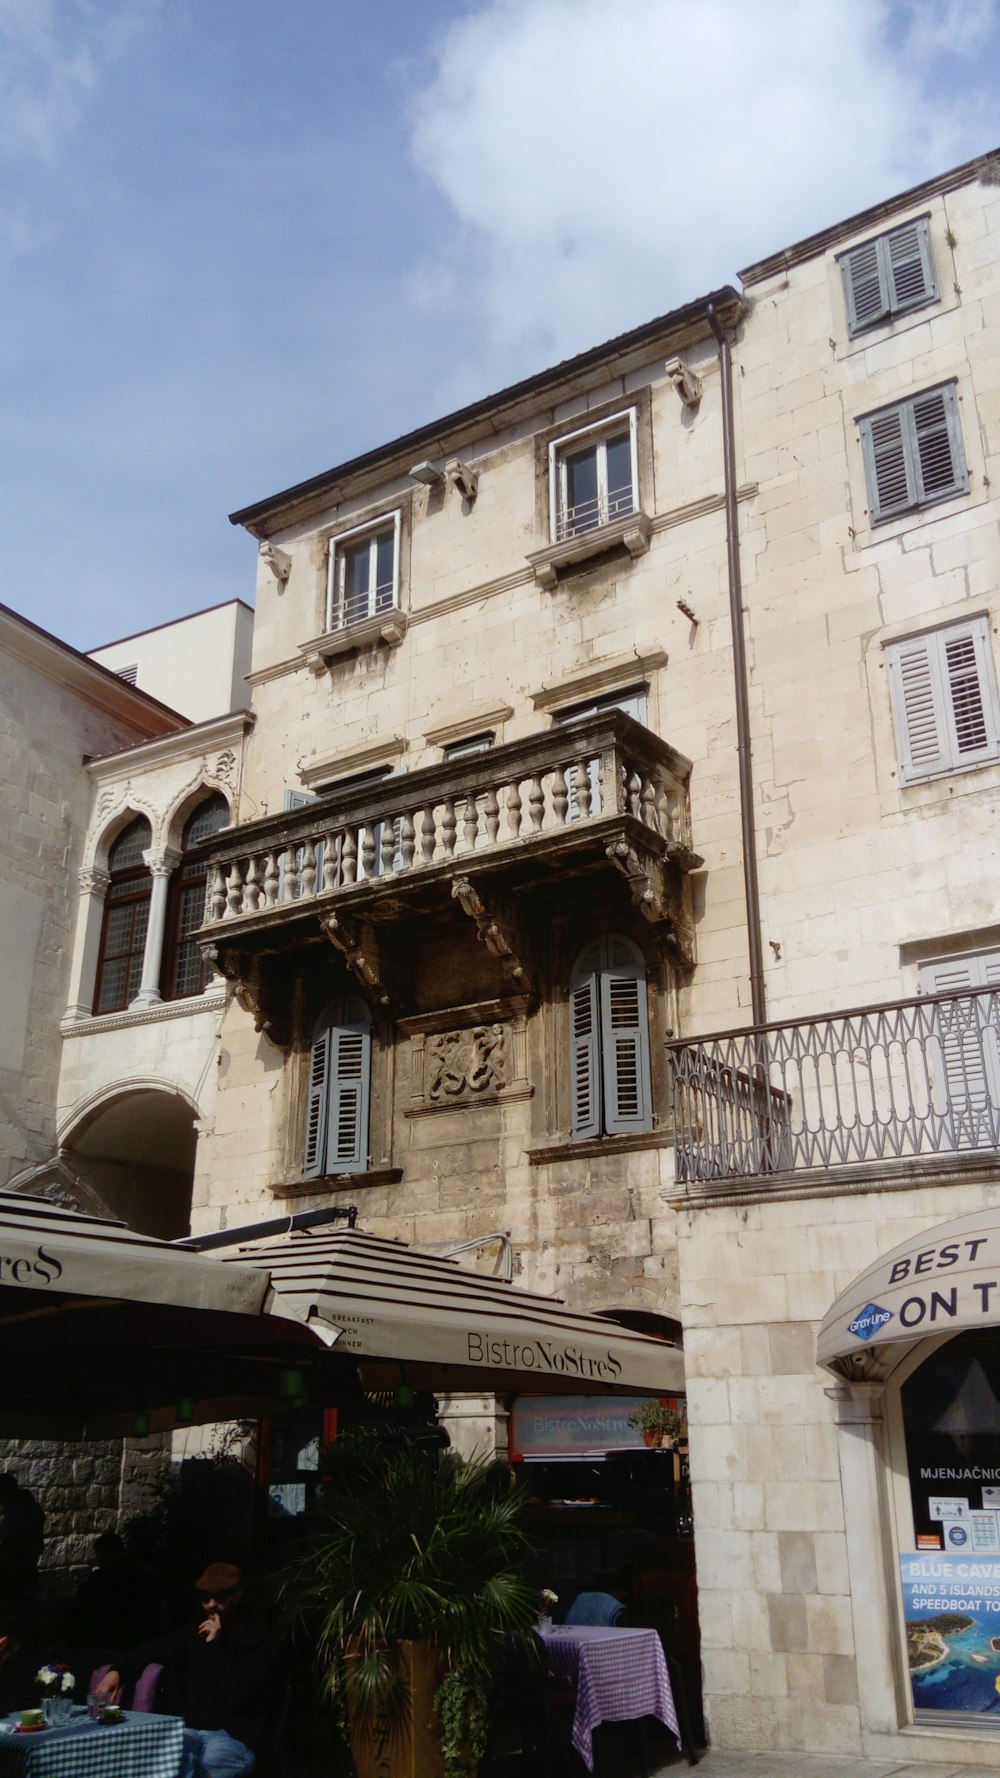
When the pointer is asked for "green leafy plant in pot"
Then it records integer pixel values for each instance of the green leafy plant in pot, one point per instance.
(413, 1579)
(658, 1423)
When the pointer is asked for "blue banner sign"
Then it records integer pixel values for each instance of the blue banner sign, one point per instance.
(951, 1602)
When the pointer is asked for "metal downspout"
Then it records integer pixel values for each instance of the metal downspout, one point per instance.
(748, 827)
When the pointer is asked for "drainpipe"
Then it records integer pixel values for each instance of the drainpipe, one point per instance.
(754, 945)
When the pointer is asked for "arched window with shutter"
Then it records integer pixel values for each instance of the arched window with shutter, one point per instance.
(126, 917)
(184, 968)
(609, 1039)
(339, 1090)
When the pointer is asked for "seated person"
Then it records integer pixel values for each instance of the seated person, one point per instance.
(18, 1665)
(224, 1666)
(117, 1602)
(595, 1608)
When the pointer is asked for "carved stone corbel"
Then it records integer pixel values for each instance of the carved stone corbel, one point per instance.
(357, 944)
(644, 878)
(495, 931)
(252, 990)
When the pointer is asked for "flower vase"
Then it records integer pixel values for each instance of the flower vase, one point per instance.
(58, 1710)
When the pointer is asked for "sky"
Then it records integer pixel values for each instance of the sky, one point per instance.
(244, 240)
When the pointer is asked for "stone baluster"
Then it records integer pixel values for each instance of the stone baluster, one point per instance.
(634, 789)
(234, 891)
(492, 812)
(407, 841)
(307, 873)
(272, 880)
(536, 804)
(560, 796)
(215, 900)
(349, 857)
(330, 862)
(471, 822)
(291, 857)
(161, 864)
(251, 892)
(428, 836)
(368, 851)
(581, 789)
(448, 826)
(514, 809)
(647, 804)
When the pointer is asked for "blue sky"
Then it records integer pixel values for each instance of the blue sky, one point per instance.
(242, 240)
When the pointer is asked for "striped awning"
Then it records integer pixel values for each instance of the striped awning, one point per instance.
(407, 1315)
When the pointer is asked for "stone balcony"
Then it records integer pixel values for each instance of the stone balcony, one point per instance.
(478, 837)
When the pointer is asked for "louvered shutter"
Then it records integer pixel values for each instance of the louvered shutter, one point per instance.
(966, 683)
(964, 1049)
(316, 1107)
(908, 266)
(347, 1115)
(937, 455)
(917, 705)
(885, 451)
(864, 286)
(624, 1039)
(585, 1055)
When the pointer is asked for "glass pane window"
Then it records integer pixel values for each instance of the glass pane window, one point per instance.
(363, 575)
(184, 969)
(596, 483)
(126, 917)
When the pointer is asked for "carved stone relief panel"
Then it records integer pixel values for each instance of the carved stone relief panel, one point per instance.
(468, 1055)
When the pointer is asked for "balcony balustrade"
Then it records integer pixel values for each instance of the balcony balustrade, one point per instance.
(885, 1083)
(601, 789)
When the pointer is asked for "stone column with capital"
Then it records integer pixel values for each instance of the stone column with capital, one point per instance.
(161, 864)
(87, 943)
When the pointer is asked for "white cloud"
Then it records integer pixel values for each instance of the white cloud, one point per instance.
(606, 163)
(52, 53)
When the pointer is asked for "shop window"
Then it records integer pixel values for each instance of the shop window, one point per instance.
(594, 477)
(339, 1090)
(184, 967)
(913, 453)
(889, 275)
(364, 573)
(126, 917)
(965, 1050)
(609, 1039)
(944, 700)
(951, 1574)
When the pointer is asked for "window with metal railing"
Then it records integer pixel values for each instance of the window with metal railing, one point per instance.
(594, 475)
(363, 573)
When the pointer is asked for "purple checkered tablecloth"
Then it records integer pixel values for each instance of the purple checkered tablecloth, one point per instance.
(619, 1675)
(140, 1746)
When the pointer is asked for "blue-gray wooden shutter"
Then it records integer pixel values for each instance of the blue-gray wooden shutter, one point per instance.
(883, 444)
(939, 458)
(585, 1051)
(625, 1038)
(350, 1080)
(944, 700)
(913, 453)
(316, 1106)
(865, 287)
(909, 266)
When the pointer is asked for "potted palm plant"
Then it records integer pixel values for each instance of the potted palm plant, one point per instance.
(406, 1591)
(658, 1423)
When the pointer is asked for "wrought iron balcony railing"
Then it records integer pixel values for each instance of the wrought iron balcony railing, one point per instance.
(883, 1083)
(583, 784)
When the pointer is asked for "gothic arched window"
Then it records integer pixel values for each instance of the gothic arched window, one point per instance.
(126, 916)
(184, 968)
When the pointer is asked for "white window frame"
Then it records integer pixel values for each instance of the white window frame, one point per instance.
(373, 529)
(922, 687)
(965, 1056)
(910, 459)
(564, 446)
(881, 269)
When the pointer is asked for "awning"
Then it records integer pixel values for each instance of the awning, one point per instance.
(407, 1315)
(942, 1282)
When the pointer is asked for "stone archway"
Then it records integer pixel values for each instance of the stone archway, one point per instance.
(135, 1152)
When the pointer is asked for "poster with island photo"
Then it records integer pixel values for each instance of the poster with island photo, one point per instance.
(951, 1603)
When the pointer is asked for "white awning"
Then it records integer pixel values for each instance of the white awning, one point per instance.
(47, 1253)
(941, 1282)
(442, 1325)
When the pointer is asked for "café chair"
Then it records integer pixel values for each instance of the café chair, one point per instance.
(144, 1692)
(595, 1609)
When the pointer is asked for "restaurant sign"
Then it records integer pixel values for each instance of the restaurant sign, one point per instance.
(576, 1426)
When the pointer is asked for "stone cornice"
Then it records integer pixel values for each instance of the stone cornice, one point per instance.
(189, 743)
(849, 1182)
(101, 688)
(618, 671)
(363, 757)
(212, 1001)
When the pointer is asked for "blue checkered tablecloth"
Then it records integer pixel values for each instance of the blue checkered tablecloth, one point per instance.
(619, 1676)
(140, 1746)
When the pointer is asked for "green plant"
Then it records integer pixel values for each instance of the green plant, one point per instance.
(412, 1547)
(655, 1416)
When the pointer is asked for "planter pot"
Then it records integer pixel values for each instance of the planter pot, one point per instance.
(410, 1748)
(652, 1436)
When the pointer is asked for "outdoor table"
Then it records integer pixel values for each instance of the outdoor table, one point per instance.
(140, 1746)
(619, 1676)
